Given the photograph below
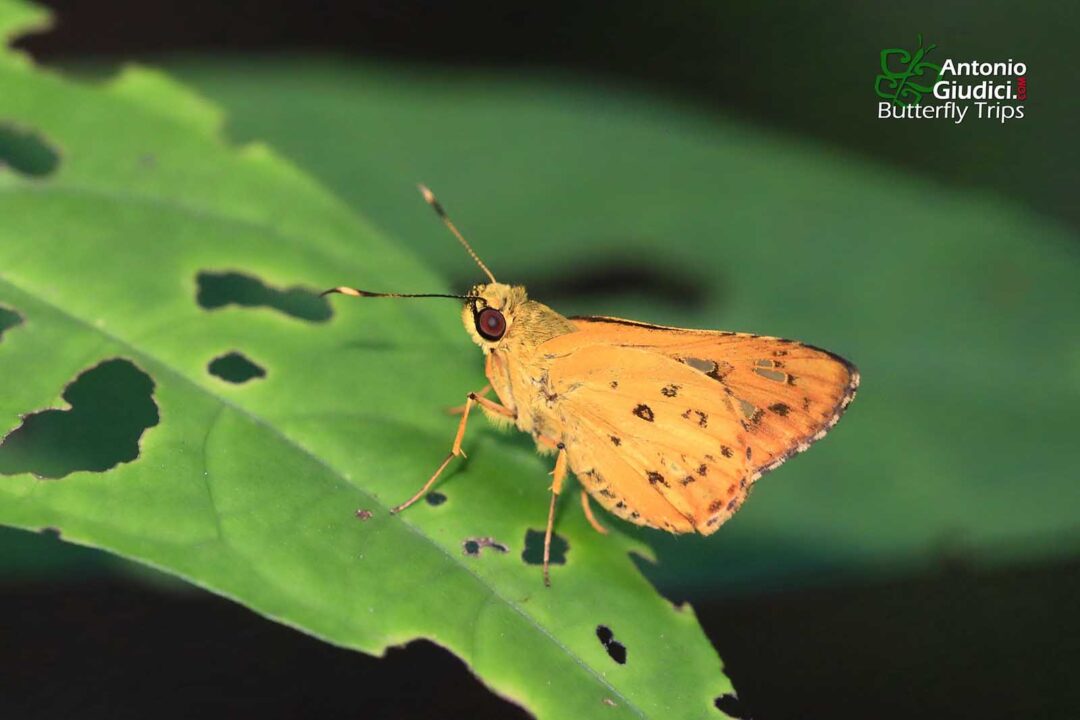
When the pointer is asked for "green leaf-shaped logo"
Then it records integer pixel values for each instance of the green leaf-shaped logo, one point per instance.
(906, 85)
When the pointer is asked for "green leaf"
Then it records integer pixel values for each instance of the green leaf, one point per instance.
(119, 262)
(960, 309)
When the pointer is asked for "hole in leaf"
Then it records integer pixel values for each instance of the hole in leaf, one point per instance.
(473, 546)
(234, 367)
(614, 648)
(533, 554)
(26, 152)
(112, 404)
(435, 498)
(8, 320)
(364, 515)
(217, 290)
(730, 705)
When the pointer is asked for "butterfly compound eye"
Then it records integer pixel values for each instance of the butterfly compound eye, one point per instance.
(490, 323)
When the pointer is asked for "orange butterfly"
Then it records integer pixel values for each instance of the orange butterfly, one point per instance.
(665, 427)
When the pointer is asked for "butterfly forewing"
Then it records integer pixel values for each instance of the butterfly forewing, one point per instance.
(789, 394)
(669, 427)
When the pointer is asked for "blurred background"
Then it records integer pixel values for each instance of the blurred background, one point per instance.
(693, 163)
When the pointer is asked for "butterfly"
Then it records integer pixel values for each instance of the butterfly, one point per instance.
(665, 427)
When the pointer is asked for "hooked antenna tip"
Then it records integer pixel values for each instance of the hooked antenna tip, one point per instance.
(342, 290)
(430, 199)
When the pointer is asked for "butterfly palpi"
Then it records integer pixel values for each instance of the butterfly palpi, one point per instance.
(665, 427)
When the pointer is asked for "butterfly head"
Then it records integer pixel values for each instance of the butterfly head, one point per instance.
(489, 312)
(490, 308)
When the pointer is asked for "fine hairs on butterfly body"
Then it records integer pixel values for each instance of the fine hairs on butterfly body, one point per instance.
(665, 427)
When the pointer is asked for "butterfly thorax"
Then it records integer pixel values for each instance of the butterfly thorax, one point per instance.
(516, 370)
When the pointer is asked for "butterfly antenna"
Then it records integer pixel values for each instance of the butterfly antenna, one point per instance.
(354, 292)
(437, 206)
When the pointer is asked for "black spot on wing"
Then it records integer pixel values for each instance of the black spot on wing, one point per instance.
(780, 409)
(644, 412)
(754, 421)
(719, 372)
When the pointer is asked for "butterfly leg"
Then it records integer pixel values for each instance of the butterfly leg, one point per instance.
(589, 514)
(492, 406)
(556, 488)
(455, 450)
(459, 409)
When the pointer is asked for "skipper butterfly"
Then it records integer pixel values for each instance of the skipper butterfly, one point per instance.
(665, 427)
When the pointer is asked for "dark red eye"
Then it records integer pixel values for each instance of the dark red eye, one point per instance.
(490, 323)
